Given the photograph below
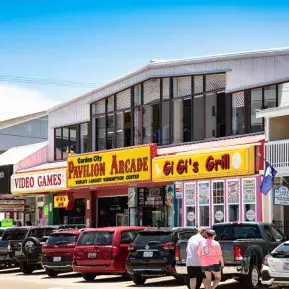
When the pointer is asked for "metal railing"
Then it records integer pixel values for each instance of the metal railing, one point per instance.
(277, 154)
(283, 226)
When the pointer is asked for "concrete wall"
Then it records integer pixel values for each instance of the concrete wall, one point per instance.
(278, 128)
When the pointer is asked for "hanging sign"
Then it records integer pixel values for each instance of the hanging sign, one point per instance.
(7, 223)
(281, 196)
(12, 205)
(111, 167)
(61, 201)
(223, 163)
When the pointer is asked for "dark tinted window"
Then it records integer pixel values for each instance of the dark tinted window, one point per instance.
(186, 235)
(1, 233)
(96, 238)
(146, 237)
(61, 239)
(277, 234)
(269, 233)
(128, 237)
(17, 234)
(234, 232)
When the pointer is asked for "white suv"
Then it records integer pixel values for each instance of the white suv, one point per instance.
(275, 269)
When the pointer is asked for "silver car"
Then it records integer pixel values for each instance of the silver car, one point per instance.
(275, 269)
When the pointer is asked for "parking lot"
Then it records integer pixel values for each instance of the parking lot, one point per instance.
(38, 280)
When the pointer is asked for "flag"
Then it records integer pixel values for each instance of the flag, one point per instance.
(268, 179)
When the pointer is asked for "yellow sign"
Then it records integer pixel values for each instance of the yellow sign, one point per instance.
(110, 167)
(230, 162)
(61, 201)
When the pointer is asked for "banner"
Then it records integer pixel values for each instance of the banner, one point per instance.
(223, 163)
(110, 167)
(190, 194)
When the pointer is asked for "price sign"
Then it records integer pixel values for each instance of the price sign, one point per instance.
(61, 201)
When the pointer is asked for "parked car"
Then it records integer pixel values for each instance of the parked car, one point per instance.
(152, 253)
(57, 252)
(103, 251)
(4, 258)
(25, 246)
(275, 269)
(244, 246)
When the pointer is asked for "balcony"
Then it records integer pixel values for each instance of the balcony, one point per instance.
(277, 154)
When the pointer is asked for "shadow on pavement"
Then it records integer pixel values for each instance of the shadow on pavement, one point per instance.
(166, 283)
(71, 275)
(10, 271)
(105, 279)
(33, 274)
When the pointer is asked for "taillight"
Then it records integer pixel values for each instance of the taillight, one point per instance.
(9, 248)
(131, 247)
(78, 254)
(238, 253)
(178, 253)
(45, 245)
(168, 246)
(265, 260)
(115, 252)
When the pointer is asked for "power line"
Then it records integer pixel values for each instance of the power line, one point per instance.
(39, 81)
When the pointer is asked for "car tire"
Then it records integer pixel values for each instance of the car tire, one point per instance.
(88, 276)
(252, 280)
(138, 280)
(51, 273)
(26, 268)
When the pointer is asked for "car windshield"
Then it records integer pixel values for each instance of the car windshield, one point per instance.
(56, 239)
(96, 238)
(15, 234)
(146, 237)
(1, 233)
(234, 232)
(281, 250)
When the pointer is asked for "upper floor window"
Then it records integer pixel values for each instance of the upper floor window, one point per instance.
(71, 139)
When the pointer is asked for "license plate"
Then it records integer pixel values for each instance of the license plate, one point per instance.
(92, 255)
(286, 266)
(148, 254)
(56, 259)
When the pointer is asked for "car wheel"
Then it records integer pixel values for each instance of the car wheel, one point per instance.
(252, 280)
(51, 273)
(88, 276)
(138, 280)
(31, 244)
(26, 268)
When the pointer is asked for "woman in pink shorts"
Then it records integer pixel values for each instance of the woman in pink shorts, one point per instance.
(211, 257)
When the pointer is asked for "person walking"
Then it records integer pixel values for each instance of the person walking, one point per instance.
(210, 254)
(193, 261)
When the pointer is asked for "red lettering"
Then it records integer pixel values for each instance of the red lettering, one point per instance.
(210, 164)
(195, 167)
(59, 179)
(223, 163)
(133, 166)
(114, 169)
(181, 167)
(139, 164)
(127, 166)
(121, 167)
(168, 168)
(70, 169)
(145, 164)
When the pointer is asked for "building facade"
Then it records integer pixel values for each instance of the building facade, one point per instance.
(199, 108)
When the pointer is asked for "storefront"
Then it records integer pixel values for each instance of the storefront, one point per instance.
(214, 185)
(119, 182)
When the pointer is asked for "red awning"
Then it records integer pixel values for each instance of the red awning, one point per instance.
(232, 141)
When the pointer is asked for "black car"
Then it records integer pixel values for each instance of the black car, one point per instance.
(152, 254)
(25, 246)
(4, 257)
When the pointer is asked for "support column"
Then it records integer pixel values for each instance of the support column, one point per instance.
(53, 216)
(90, 209)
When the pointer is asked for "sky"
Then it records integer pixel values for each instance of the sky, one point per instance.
(99, 41)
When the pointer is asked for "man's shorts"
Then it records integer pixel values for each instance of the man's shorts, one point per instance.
(195, 272)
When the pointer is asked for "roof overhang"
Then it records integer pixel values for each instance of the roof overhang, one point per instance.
(273, 112)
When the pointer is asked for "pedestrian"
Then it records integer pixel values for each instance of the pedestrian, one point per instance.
(211, 256)
(18, 224)
(193, 261)
(28, 224)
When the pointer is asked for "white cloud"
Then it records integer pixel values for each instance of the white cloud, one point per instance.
(17, 101)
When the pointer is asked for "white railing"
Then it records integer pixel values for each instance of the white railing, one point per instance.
(277, 154)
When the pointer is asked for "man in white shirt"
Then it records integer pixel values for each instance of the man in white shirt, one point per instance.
(193, 261)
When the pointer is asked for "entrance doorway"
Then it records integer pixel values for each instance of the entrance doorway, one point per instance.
(76, 216)
(113, 211)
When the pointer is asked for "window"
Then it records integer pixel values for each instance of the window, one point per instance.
(234, 232)
(143, 238)
(96, 238)
(204, 203)
(56, 239)
(151, 124)
(199, 125)
(128, 237)
(15, 234)
(238, 113)
(110, 132)
(269, 233)
(233, 200)
(138, 126)
(166, 118)
(256, 103)
(277, 234)
(71, 139)
(283, 93)
(123, 129)
(249, 199)
(218, 202)
(101, 133)
(270, 96)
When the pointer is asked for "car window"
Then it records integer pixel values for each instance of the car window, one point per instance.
(17, 234)
(1, 233)
(234, 232)
(96, 238)
(277, 234)
(128, 236)
(284, 248)
(186, 235)
(269, 233)
(146, 237)
(56, 239)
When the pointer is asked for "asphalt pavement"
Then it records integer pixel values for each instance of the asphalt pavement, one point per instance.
(38, 280)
